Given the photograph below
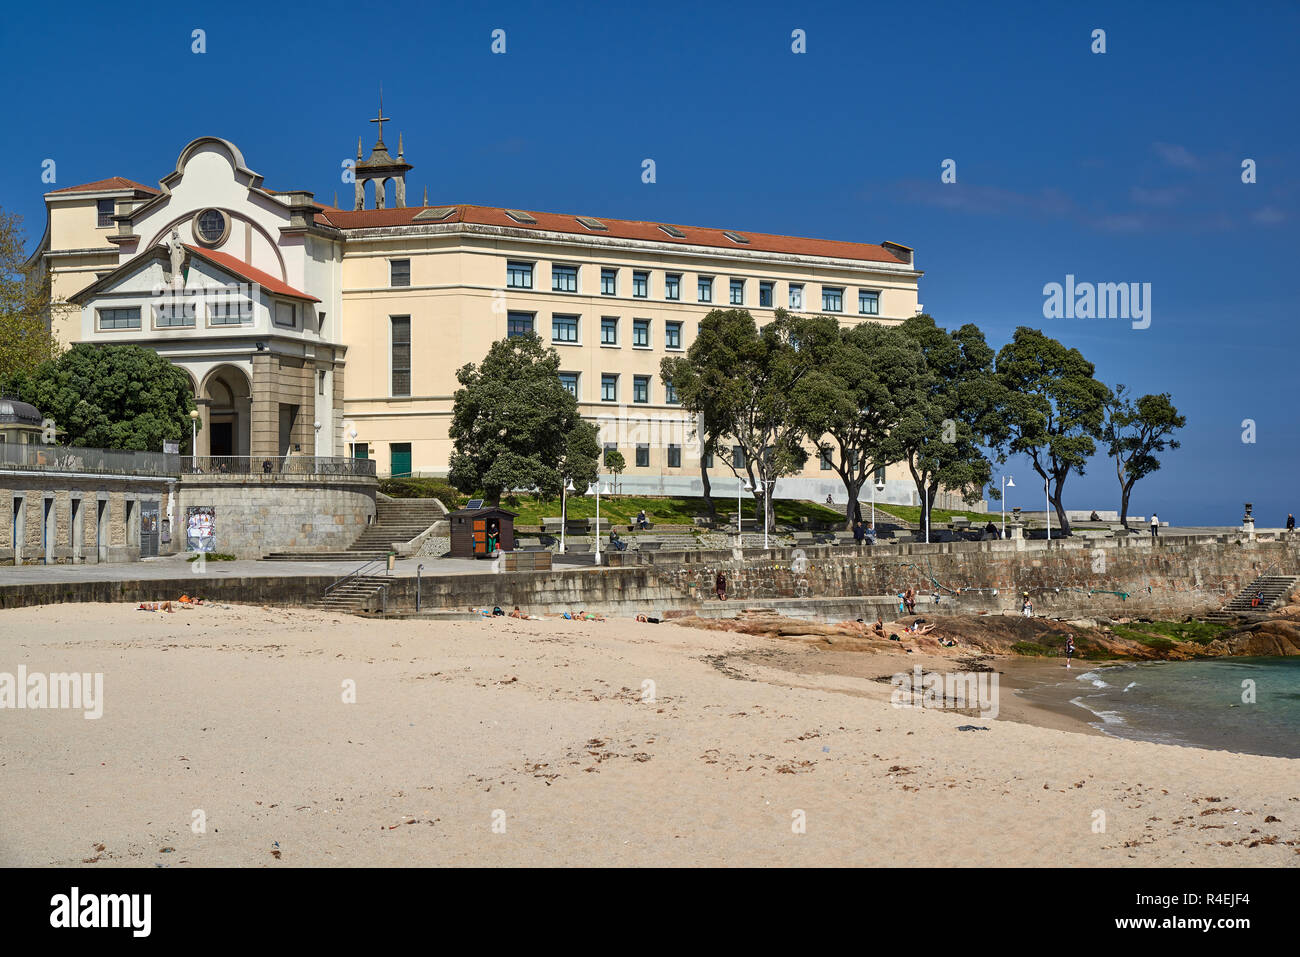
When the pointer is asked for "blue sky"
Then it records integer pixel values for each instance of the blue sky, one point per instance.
(1115, 167)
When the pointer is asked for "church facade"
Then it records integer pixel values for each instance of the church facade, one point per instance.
(308, 328)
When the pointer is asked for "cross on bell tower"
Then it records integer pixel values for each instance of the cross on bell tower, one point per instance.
(381, 167)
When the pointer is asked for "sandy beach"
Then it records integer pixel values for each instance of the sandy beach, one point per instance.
(510, 742)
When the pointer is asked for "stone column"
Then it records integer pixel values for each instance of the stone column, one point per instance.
(264, 427)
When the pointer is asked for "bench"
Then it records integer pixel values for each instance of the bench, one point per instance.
(634, 527)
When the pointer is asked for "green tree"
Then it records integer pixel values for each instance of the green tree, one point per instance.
(1134, 431)
(1053, 410)
(112, 397)
(741, 380)
(941, 434)
(615, 462)
(25, 339)
(861, 383)
(514, 425)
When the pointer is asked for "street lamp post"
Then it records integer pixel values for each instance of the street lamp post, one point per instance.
(877, 486)
(194, 440)
(1048, 495)
(316, 425)
(925, 509)
(564, 514)
(597, 518)
(762, 502)
(1007, 482)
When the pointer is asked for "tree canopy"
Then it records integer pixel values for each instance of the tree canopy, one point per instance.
(1052, 408)
(112, 397)
(25, 339)
(1134, 431)
(515, 426)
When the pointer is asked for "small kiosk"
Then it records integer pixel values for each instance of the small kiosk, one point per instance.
(480, 532)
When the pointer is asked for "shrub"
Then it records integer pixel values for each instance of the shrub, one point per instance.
(410, 487)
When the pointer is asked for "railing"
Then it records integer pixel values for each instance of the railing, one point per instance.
(65, 458)
(274, 465)
(360, 572)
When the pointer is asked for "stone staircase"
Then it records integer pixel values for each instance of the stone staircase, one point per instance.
(1274, 587)
(355, 594)
(396, 520)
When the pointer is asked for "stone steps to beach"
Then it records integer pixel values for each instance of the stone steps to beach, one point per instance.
(1274, 589)
(352, 595)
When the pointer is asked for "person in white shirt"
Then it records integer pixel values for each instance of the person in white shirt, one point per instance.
(1155, 526)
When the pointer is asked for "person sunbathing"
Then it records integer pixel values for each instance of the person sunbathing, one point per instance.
(879, 626)
(646, 618)
(517, 613)
(584, 616)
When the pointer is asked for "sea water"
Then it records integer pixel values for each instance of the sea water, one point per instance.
(1235, 704)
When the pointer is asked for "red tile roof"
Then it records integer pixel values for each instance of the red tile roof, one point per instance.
(617, 229)
(104, 185)
(245, 271)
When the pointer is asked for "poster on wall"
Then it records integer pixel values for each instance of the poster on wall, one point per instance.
(200, 528)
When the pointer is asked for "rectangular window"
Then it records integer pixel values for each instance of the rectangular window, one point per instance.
(641, 333)
(824, 457)
(519, 275)
(708, 460)
(674, 456)
(228, 309)
(738, 457)
(285, 314)
(673, 286)
(868, 302)
(796, 295)
(672, 335)
(173, 315)
(765, 295)
(104, 212)
(120, 318)
(737, 292)
(519, 324)
(608, 387)
(641, 285)
(832, 299)
(670, 394)
(609, 282)
(401, 355)
(570, 381)
(564, 279)
(705, 289)
(609, 331)
(320, 382)
(643, 456)
(641, 388)
(564, 328)
(399, 272)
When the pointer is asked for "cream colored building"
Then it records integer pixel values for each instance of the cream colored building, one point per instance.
(267, 298)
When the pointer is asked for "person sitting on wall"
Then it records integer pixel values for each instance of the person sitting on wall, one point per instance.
(869, 533)
(641, 522)
(615, 542)
(859, 532)
(990, 531)
(1094, 517)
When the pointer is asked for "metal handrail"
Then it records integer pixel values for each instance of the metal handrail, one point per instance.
(357, 573)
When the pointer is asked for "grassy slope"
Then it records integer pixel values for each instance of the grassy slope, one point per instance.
(672, 510)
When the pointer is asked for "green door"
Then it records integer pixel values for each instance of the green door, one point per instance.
(360, 450)
(401, 458)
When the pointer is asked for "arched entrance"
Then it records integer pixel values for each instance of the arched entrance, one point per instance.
(227, 397)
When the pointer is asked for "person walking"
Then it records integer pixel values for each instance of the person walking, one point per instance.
(1290, 522)
(720, 586)
(1155, 526)
(1069, 649)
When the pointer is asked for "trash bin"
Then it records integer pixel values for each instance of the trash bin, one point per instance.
(392, 561)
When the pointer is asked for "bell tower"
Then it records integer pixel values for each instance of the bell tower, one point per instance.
(381, 167)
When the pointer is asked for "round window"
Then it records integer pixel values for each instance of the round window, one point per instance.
(210, 226)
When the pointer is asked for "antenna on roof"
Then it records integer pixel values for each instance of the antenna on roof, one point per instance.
(426, 196)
